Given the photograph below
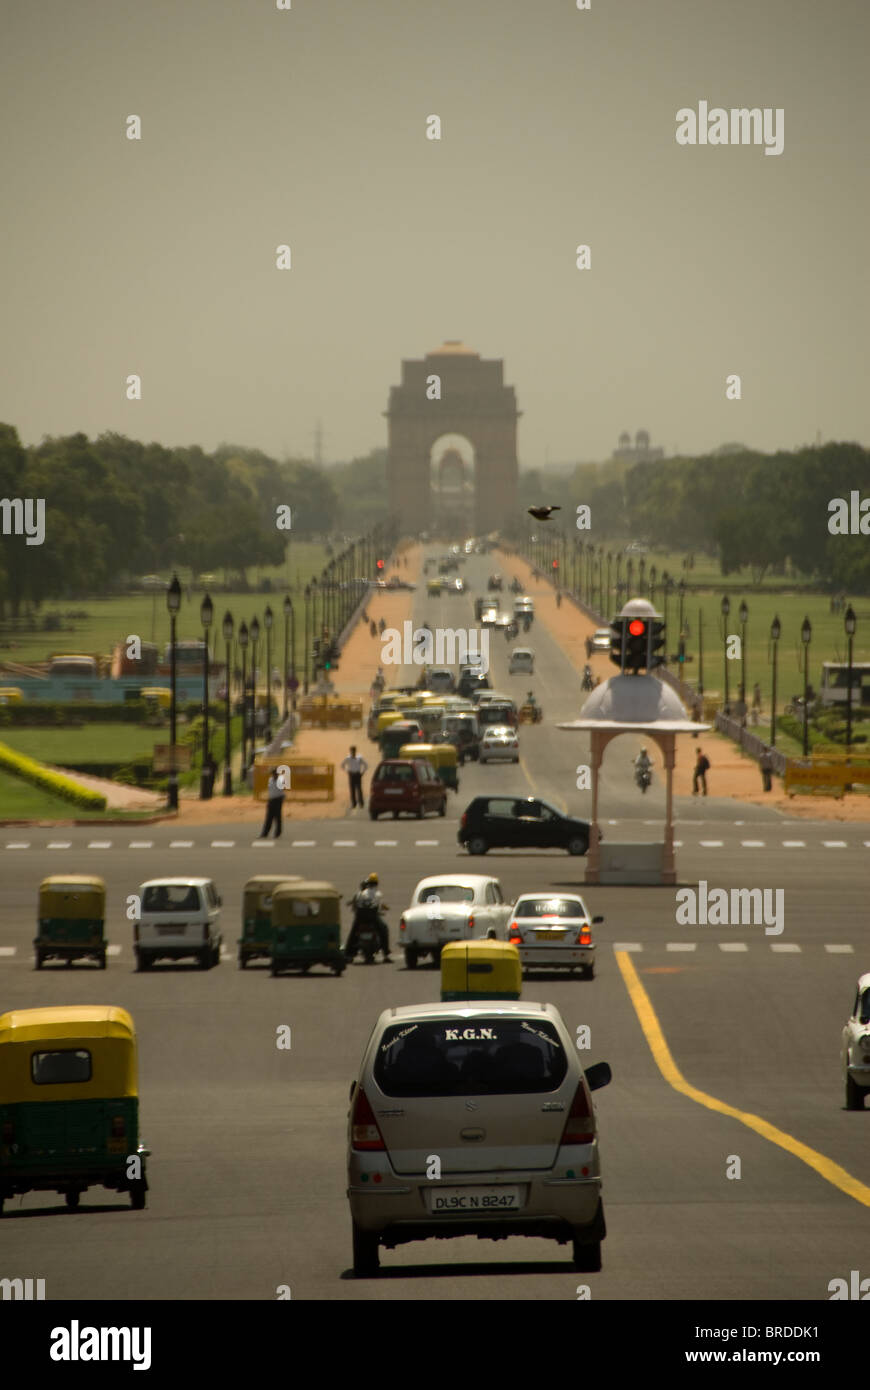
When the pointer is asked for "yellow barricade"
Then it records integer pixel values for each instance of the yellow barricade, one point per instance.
(833, 779)
(305, 780)
(330, 712)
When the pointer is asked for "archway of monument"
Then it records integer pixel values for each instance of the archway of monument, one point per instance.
(452, 480)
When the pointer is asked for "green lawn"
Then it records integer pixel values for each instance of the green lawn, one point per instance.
(21, 801)
(110, 620)
(94, 743)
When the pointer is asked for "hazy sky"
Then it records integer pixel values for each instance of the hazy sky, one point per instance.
(308, 127)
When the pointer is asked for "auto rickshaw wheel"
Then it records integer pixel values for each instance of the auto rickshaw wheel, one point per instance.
(72, 1199)
(205, 958)
(39, 960)
(587, 1258)
(102, 961)
(366, 1259)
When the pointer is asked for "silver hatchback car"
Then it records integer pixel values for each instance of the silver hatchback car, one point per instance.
(477, 1120)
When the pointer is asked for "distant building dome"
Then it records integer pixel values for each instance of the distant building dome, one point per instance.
(641, 439)
(625, 440)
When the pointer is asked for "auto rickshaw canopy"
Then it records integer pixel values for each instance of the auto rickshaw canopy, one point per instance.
(388, 717)
(30, 1040)
(72, 896)
(480, 970)
(258, 892)
(438, 754)
(306, 903)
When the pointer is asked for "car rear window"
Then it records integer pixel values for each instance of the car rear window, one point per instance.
(446, 893)
(548, 907)
(56, 1068)
(470, 1057)
(396, 772)
(170, 897)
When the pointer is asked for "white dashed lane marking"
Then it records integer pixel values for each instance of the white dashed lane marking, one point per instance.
(840, 950)
(752, 844)
(834, 844)
(783, 946)
(222, 844)
(8, 950)
(18, 844)
(627, 946)
(386, 842)
(181, 844)
(681, 946)
(262, 844)
(733, 946)
(303, 844)
(427, 842)
(58, 844)
(794, 844)
(344, 844)
(99, 844)
(712, 844)
(141, 844)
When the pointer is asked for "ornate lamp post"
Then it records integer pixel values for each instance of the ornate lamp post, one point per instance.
(173, 603)
(206, 613)
(653, 576)
(255, 638)
(850, 623)
(806, 637)
(305, 652)
(775, 634)
(228, 639)
(288, 610)
(744, 616)
(725, 609)
(243, 643)
(267, 623)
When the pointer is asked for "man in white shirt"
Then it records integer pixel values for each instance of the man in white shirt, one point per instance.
(275, 794)
(355, 767)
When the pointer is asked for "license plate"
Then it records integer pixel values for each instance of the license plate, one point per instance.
(175, 930)
(545, 934)
(444, 1200)
(394, 791)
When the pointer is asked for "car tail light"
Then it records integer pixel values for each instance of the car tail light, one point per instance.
(580, 1124)
(403, 925)
(584, 936)
(471, 921)
(514, 934)
(119, 1128)
(364, 1127)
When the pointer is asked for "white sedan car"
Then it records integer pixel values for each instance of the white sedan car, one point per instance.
(499, 741)
(554, 931)
(855, 1050)
(452, 907)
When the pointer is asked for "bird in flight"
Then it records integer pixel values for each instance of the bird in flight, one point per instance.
(543, 513)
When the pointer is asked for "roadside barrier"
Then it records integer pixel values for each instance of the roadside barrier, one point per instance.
(308, 780)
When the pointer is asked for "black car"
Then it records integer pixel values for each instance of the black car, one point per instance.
(520, 822)
(472, 680)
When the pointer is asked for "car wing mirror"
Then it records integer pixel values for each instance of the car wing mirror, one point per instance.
(597, 919)
(598, 1075)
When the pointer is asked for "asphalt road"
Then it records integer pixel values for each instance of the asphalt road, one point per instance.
(248, 1142)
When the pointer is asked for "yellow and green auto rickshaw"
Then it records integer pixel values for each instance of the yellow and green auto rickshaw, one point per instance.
(427, 716)
(442, 756)
(306, 927)
(386, 718)
(10, 695)
(256, 938)
(72, 919)
(69, 1103)
(396, 735)
(480, 970)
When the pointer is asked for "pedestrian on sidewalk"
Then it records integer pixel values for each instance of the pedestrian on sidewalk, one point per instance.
(756, 696)
(765, 762)
(702, 765)
(274, 805)
(355, 767)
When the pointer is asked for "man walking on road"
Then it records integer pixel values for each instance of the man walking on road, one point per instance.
(702, 764)
(274, 806)
(355, 767)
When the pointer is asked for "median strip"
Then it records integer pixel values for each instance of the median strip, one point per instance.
(825, 1167)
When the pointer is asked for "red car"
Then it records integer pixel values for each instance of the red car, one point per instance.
(406, 784)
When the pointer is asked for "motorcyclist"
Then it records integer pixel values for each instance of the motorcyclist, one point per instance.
(366, 903)
(588, 681)
(642, 766)
(530, 699)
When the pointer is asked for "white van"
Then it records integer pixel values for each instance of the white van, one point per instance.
(178, 917)
(522, 662)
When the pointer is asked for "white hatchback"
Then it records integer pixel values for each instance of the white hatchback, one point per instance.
(496, 1093)
(499, 741)
(855, 1049)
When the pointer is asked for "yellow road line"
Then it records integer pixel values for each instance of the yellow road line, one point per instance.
(825, 1167)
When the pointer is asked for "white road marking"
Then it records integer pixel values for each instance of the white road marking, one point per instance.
(18, 844)
(222, 844)
(99, 844)
(303, 844)
(785, 946)
(794, 844)
(262, 844)
(8, 950)
(60, 844)
(733, 946)
(712, 844)
(613, 822)
(427, 842)
(386, 842)
(840, 950)
(181, 844)
(681, 946)
(834, 844)
(627, 946)
(345, 844)
(678, 844)
(141, 844)
(752, 844)
(114, 950)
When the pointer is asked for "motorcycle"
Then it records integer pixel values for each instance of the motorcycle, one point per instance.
(367, 938)
(643, 777)
(588, 679)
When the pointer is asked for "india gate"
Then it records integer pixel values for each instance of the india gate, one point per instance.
(452, 443)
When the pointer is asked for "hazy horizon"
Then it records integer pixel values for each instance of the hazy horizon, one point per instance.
(307, 127)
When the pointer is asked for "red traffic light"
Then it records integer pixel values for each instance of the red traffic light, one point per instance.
(555, 564)
(380, 564)
(637, 627)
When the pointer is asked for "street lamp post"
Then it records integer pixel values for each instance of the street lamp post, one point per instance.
(775, 634)
(267, 622)
(607, 604)
(228, 639)
(173, 603)
(653, 576)
(700, 651)
(288, 609)
(806, 635)
(850, 623)
(667, 586)
(206, 613)
(255, 638)
(305, 652)
(243, 643)
(744, 616)
(725, 609)
(681, 590)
